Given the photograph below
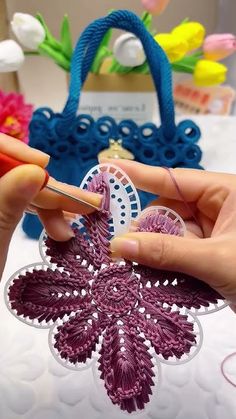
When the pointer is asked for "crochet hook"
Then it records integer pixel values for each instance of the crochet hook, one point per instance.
(8, 163)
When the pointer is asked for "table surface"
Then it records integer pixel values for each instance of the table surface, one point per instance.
(34, 386)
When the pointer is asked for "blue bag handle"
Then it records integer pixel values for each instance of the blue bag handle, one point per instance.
(86, 49)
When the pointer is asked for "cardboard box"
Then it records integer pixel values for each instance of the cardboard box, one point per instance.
(128, 96)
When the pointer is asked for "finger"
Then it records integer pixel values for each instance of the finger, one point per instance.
(51, 200)
(17, 188)
(206, 225)
(55, 224)
(194, 257)
(157, 180)
(226, 221)
(22, 151)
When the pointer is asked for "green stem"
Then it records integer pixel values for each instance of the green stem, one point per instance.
(50, 40)
(31, 53)
(99, 59)
(58, 57)
(187, 64)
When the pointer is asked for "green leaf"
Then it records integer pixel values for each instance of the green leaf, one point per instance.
(186, 65)
(147, 20)
(141, 69)
(103, 53)
(106, 39)
(57, 56)
(186, 20)
(50, 40)
(66, 42)
(118, 68)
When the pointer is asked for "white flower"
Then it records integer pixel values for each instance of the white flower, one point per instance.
(128, 50)
(11, 56)
(28, 30)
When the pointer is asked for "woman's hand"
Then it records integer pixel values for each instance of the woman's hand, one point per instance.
(208, 251)
(21, 187)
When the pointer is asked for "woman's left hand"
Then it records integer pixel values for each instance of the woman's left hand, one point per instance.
(22, 186)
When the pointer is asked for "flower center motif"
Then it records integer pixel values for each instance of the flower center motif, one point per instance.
(115, 289)
(13, 125)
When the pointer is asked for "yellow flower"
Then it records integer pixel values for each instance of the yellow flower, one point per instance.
(174, 46)
(192, 32)
(209, 73)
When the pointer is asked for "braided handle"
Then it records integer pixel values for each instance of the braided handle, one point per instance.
(86, 50)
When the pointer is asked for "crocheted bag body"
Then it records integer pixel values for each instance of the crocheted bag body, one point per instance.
(74, 140)
(123, 315)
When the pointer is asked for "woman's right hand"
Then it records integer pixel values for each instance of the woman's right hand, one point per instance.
(207, 252)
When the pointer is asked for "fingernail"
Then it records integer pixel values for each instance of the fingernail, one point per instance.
(124, 247)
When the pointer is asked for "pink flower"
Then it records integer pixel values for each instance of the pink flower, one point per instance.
(219, 46)
(15, 115)
(155, 6)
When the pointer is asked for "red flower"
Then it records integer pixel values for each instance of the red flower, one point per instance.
(15, 115)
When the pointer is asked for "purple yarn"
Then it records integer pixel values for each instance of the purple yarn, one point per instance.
(118, 303)
(159, 223)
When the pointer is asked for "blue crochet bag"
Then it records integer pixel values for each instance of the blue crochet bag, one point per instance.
(74, 140)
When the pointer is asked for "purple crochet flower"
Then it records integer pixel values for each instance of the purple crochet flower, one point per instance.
(126, 307)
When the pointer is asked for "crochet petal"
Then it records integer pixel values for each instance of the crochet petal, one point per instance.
(169, 332)
(160, 220)
(72, 253)
(97, 223)
(47, 295)
(77, 338)
(176, 288)
(126, 367)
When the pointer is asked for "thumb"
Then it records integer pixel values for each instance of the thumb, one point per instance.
(17, 189)
(168, 252)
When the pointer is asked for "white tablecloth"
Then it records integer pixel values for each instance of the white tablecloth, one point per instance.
(34, 386)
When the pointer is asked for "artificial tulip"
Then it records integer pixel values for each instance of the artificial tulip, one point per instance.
(155, 7)
(192, 32)
(28, 30)
(128, 50)
(175, 47)
(219, 46)
(11, 56)
(209, 73)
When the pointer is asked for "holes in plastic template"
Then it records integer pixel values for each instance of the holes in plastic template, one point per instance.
(212, 308)
(124, 198)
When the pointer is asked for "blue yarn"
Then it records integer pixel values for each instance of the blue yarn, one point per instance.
(73, 141)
